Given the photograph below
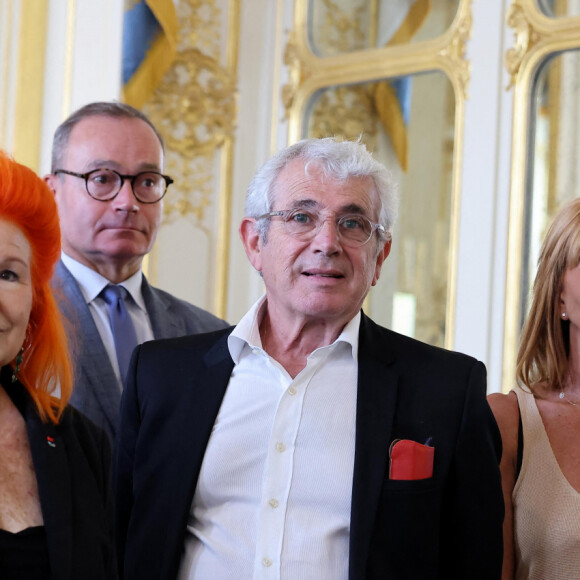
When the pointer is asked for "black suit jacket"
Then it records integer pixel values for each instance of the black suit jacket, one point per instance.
(446, 527)
(72, 465)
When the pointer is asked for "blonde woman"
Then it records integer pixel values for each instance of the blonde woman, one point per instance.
(540, 419)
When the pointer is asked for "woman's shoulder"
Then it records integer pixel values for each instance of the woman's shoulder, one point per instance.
(507, 415)
(504, 405)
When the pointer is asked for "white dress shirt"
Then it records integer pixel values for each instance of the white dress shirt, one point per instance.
(274, 493)
(91, 284)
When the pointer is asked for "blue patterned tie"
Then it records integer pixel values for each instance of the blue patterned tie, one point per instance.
(121, 325)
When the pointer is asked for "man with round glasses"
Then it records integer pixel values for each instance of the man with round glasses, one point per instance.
(108, 181)
(309, 442)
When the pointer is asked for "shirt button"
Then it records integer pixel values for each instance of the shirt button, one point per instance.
(280, 447)
(291, 391)
(266, 562)
(274, 503)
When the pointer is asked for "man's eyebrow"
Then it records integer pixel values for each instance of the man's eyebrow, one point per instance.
(304, 203)
(353, 208)
(114, 165)
(149, 167)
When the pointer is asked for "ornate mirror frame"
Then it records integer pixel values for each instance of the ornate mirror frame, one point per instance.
(309, 73)
(537, 36)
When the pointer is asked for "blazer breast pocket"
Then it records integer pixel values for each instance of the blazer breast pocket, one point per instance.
(410, 460)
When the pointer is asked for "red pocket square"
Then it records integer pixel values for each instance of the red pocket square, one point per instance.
(410, 460)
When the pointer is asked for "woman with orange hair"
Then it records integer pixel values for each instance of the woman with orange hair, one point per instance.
(55, 510)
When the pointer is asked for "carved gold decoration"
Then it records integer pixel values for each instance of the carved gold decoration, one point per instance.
(195, 110)
(525, 38)
(297, 75)
(343, 31)
(454, 52)
(348, 111)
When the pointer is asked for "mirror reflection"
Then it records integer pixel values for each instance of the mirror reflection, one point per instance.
(554, 153)
(409, 124)
(340, 26)
(559, 8)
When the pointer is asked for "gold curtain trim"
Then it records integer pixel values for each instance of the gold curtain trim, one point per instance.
(158, 59)
(386, 101)
(164, 12)
(391, 116)
(413, 21)
(30, 83)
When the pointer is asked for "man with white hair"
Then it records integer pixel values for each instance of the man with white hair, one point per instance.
(308, 442)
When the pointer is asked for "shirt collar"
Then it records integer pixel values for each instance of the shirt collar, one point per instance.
(92, 283)
(247, 332)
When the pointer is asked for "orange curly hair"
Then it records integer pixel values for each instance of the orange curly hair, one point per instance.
(26, 201)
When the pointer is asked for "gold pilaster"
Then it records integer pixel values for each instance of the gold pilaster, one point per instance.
(30, 82)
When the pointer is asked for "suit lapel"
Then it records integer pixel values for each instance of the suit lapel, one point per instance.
(190, 435)
(52, 474)
(376, 403)
(209, 393)
(90, 355)
(163, 322)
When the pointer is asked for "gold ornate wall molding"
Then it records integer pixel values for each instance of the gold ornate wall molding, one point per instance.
(525, 37)
(453, 54)
(195, 106)
(536, 37)
(309, 73)
(195, 110)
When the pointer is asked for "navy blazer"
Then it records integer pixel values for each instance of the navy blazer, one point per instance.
(97, 392)
(446, 527)
(72, 463)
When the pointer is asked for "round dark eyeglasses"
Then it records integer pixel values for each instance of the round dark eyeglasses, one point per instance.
(105, 184)
(354, 230)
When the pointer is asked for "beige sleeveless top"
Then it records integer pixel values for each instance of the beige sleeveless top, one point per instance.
(546, 507)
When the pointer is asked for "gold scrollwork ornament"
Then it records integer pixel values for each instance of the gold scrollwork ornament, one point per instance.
(454, 52)
(195, 111)
(525, 37)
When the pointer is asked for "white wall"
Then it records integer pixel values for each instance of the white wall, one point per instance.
(83, 61)
(485, 192)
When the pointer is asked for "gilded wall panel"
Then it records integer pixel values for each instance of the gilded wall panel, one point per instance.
(341, 26)
(195, 110)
